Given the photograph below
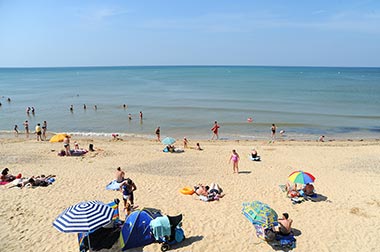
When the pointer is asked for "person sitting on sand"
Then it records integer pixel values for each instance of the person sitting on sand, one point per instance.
(5, 177)
(321, 139)
(128, 187)
(119, 175)
(198, 147)
(292, 191)
(285, 225)
(308, 189)
(76, 146)
(254, 153)
(170, 148)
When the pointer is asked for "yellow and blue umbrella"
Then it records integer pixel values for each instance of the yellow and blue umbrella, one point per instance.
(301, 177)
(260, 214)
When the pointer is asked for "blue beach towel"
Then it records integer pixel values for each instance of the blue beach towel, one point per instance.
(113, 185)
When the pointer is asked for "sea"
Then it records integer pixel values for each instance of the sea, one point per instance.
(304, 102)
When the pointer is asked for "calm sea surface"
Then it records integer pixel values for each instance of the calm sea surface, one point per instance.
(304, 101)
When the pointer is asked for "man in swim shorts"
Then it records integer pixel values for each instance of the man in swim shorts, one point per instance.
(127, 188)
(38, 132)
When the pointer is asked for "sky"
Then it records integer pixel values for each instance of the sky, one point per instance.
(48, 33)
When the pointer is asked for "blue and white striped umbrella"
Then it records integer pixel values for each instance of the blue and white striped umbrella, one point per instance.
(84, 217)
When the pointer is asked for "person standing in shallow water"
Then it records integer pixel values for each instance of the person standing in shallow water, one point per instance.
(158, 131)
(273, 132)
(16, 129)
(26, 126)
(215, 131)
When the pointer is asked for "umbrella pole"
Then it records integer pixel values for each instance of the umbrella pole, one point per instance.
(89, 244)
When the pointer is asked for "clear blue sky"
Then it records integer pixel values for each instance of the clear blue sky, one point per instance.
(189, 32)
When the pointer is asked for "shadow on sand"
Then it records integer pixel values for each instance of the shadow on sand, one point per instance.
(244, 172)
(276, 245)
(316, 198)
(188, 241)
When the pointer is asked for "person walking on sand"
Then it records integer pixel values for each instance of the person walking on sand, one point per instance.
(185, 143)
(235, 161)
(38, 131)
(26, 126)
(127, 187)
(215, 131)
(273, 132)
(158, 131)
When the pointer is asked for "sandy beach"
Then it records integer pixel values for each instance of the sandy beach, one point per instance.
(347, 175)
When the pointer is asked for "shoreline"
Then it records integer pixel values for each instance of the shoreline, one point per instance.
(130, 136)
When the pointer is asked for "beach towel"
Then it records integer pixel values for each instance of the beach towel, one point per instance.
(254, 158)
(282, 187)
(160, 227)
(113, 185)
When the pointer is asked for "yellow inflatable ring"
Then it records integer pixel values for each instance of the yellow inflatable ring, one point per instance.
(187, 191)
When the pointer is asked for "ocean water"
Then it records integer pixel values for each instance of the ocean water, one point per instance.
(184, 101)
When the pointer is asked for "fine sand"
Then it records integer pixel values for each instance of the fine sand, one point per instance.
(347, 176)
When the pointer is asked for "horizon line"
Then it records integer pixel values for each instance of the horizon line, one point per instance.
(181, 65)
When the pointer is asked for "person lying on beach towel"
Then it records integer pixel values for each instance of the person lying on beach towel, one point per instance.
(172, 149)
(75, 153)
(209, 193)
(33, 181)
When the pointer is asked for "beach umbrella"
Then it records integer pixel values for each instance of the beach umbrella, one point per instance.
(58, 138)
(84, 217)
(301, 177)
(260, 214)
(168, 140)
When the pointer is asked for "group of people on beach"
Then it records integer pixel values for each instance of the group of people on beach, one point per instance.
(18, 180)
(40, 131)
